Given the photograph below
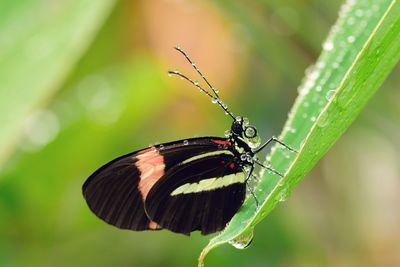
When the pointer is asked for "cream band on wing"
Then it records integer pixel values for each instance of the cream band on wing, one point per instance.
(151, 166)
(214, 153)
(209, 184)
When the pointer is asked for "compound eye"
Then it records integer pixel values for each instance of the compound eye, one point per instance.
(250, 132)
(237, 128)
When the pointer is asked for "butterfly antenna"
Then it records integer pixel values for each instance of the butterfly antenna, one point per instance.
(179, 49)
(214, 99)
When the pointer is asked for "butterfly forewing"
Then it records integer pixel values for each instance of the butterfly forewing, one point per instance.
(117, 191)
(112, 194)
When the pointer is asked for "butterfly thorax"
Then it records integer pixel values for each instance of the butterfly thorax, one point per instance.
(244, 139)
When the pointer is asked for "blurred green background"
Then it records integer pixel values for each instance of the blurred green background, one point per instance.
(82, 82)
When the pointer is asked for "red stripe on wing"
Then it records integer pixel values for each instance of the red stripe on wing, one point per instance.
(151, 165)
(222, 142)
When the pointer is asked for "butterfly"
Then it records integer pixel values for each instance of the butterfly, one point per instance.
(195, 184)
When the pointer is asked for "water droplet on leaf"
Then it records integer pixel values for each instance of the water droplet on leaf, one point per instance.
(323, 120)
(283, 195)
(243, 241)
(328, 45)
(330, 94)
(351, 39)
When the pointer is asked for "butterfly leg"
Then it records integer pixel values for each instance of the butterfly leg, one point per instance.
(251, 189)
(274, 139)
(268, 168)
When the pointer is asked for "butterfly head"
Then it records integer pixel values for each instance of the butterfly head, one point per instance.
(241, 128)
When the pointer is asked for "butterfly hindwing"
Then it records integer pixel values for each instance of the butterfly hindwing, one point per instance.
(202, 193)
(117, 192)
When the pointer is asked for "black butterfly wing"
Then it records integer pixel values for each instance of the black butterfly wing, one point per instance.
(202, 193)
(116, 192)
(112, 194)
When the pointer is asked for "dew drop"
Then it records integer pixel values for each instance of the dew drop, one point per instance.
(313, 118)
(242, 241)
(216, 90)
(351, 39)
(185, 142)
(328, 45)
(227, 133)
(323, 120)
(214, 100)
(283, 195)
(196, 83)
(254, 142)
(161, 147)
(330, 94)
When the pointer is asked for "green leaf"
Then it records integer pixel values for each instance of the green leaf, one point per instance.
(39, 44)
(359, 53)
